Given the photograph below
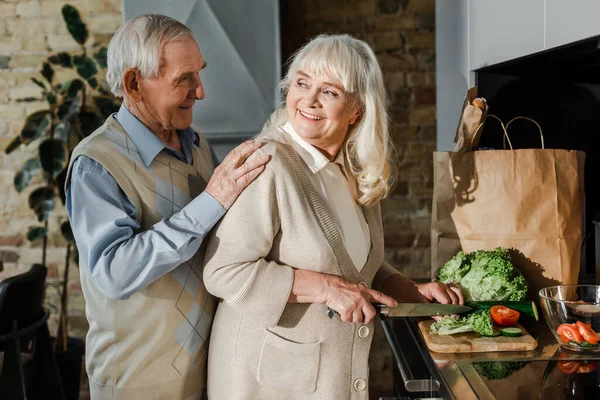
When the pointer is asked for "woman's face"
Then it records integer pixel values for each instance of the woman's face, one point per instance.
(320, 111)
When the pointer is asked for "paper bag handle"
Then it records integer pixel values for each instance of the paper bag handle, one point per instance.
(476, 133)
(528, 119)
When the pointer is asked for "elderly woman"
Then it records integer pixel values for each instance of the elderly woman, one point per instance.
(307, 236)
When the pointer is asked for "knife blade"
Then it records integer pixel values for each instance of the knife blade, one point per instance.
(414, 310)
(419, 309)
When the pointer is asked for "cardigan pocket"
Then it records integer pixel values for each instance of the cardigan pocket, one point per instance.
(289, 365)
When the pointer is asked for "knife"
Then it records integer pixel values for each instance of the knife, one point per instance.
(413, 310)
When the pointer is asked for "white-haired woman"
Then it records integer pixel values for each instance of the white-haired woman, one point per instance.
(307, 236)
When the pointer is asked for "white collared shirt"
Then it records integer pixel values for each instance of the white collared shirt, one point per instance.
(330, 180)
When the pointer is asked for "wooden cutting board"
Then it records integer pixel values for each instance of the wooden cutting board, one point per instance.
(472, 342)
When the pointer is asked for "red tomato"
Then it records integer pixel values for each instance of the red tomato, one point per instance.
(589, 335)
(569, 332)
(568, 367)
(504, 316)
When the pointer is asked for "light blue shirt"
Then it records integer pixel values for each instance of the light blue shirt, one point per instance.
(120, 260)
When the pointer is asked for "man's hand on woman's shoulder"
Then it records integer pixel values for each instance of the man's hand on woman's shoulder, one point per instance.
(236, 172)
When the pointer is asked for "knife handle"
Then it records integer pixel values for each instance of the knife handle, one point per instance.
(380, 309)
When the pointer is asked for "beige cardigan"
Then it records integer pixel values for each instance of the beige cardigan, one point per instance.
(261, 346)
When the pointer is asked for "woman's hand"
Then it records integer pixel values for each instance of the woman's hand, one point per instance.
(352, 301)
(441, 293)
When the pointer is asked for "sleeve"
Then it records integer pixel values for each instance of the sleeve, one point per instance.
(119, 260)
(236, 265)
(384, 272)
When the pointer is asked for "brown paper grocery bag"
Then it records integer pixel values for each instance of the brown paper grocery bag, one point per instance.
(529, 201)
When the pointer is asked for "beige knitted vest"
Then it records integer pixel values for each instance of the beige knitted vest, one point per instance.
(154, 344)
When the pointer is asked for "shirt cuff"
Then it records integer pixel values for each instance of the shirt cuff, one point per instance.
(205, 210)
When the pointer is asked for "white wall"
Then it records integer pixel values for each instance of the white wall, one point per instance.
(471, 34)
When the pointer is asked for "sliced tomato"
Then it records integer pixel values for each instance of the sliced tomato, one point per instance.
(504, 316)
(588, 366)
(568, 367)
(588, 334)
(568, 332)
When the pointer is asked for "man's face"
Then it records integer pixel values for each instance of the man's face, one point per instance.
(167, 99)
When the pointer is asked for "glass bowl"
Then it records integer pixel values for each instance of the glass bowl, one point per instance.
(567, 304)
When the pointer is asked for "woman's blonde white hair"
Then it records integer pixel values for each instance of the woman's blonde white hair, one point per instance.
(367, 146)
(138, 44)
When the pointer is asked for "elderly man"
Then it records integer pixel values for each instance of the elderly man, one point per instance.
(142, 193)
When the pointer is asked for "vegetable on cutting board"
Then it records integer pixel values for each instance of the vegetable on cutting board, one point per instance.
(511, 332)
(504, 316)
(527, 308)
(492, 286)
(479, 321)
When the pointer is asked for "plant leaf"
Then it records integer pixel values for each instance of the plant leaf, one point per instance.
(86, 67)
(75, 25)
(89, 121)
(12, 146)
(61, 131)
(74, 87)
(39, 83)
(53, 156)
(70, 107)
(63, 59)
(36, 125)
(23, 177)
(50, 97)
(47, 72)
(93, 82)
(67, 232)
(106, 105)
(101, 57)
(42, 202)
(36, 233)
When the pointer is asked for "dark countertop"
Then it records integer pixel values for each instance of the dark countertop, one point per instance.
(421, 373)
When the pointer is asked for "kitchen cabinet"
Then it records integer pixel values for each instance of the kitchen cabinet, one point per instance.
(546, 372)
(504, 30)
(568, 22)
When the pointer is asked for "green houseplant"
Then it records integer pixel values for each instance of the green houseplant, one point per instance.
(76, 107)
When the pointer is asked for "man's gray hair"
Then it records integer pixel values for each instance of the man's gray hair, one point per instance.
(138, 44)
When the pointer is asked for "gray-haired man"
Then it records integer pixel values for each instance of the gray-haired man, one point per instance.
(142, 193)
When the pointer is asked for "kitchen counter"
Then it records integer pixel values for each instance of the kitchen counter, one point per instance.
(540, 373)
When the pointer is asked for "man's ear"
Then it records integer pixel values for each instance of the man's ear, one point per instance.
(132, 83)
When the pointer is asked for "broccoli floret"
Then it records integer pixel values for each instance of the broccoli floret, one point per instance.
(498, 370)
(479, 321)
(485, 276)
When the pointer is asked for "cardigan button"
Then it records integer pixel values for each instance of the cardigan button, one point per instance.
(360, 385)
(363, 331)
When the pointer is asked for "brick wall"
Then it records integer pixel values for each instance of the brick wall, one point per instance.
(29, 31)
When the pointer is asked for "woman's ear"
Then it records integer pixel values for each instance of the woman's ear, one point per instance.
(358, 111)
(131, 84)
